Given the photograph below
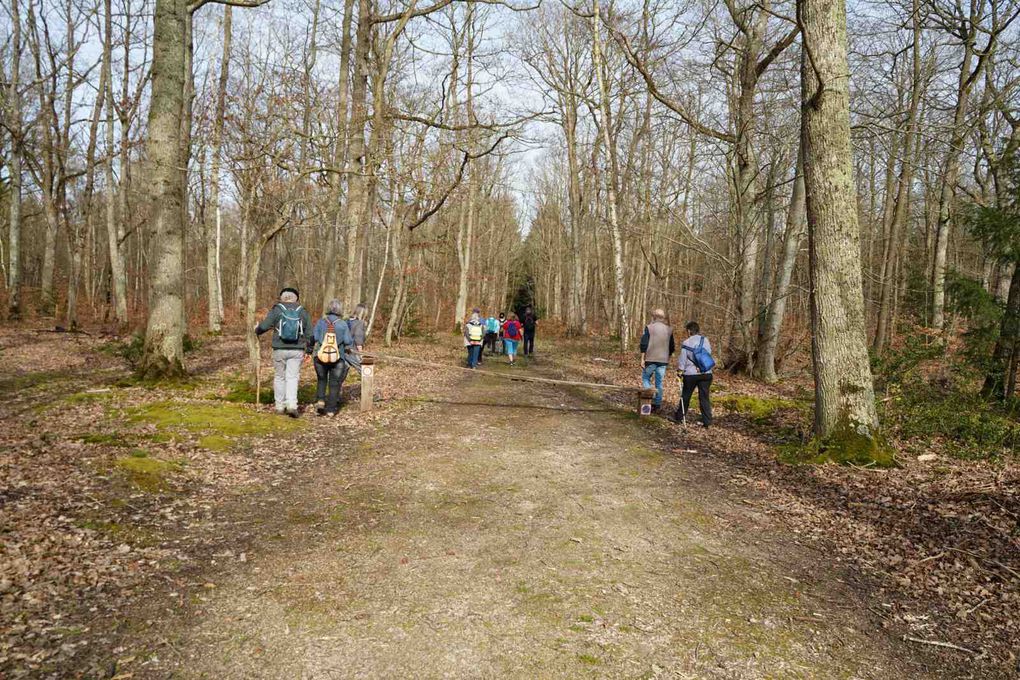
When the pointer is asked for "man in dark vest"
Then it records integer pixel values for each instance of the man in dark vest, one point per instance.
(657, 346)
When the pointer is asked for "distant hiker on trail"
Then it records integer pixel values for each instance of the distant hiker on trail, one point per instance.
(657, 346)
(502, 325)
(332, 340)
(292, 342)
(491, 333)
(357, 326)
(474, 335)
(695, 369)
(529, 321)
(512, 335)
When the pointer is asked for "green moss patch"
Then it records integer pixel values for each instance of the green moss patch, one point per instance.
(242, 392)
(756, 408)
(218, 425)
(145, 473)
(847, 445)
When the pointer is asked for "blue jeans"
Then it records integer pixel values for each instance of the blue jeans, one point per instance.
(659, 371)
(474, 354)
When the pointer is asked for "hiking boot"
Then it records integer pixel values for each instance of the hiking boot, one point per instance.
(279, 410)
(331, 414)
(320, 407)
(292, 412)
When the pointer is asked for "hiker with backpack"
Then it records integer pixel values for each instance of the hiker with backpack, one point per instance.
(292, 343)
(512, 334)
(332, 340)
(474, 336)
(657, 346)
(695, 372)
(491, 333)
(529, 321)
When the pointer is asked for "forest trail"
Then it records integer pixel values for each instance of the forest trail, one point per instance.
(556, 537)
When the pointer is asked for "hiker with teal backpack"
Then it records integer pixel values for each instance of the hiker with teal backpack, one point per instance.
(332, 342)
(292, 344)
(695, 372)
(491, 333)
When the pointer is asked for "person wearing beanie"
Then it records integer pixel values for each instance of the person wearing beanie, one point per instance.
(292, 344)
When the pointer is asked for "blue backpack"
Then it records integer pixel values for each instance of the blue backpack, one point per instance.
(701, 357)
(290, 327)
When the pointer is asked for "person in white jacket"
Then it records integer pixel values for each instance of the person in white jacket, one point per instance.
(693, 377)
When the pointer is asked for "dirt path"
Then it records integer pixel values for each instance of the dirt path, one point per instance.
(552, 538)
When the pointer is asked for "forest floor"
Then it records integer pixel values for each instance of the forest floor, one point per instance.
(469, 527)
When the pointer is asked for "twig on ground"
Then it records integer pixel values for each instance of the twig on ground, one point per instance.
(939, 643)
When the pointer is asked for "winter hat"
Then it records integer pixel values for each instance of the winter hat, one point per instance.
(288, 289)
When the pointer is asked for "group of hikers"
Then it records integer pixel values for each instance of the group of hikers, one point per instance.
(500, 334)
(334, 345)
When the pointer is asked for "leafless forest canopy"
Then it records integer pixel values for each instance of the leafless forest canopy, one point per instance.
(168, 162)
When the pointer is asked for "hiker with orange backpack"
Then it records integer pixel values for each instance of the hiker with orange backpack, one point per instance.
(332, 340)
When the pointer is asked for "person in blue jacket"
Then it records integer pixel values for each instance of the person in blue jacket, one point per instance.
(330, 376)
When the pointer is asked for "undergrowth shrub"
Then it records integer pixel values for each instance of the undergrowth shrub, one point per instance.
(955, 418)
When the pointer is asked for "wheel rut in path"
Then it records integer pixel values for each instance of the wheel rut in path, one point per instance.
(527, 531)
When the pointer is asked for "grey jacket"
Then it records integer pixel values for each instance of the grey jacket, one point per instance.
(305, 342)
(357, 327)
(657, 343)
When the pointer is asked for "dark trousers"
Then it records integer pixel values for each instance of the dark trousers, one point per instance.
(331, 377)
(702, 383)
(490, 342)
(529, 341)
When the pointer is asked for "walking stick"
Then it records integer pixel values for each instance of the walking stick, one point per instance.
(683, 409)
(258, 373)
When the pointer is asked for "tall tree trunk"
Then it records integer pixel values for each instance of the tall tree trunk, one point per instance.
(214, 226)
(114, 228)
(950, 176)
(164, 333)
(357, 165)
(575, 301)
(619, 289)
(845, 414)
(339, 153)
(903, 191)
(765, 366)
(15, 167)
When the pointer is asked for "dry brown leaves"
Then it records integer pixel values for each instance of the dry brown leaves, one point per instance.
(938, 540)
(79, 543)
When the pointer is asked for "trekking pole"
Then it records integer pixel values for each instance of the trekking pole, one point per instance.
(258, 373)
(683, 409)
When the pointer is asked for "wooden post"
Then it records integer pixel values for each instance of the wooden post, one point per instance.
(645, 402)
(367, 383)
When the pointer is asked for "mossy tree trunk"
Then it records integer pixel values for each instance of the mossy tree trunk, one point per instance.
(845, 410)
(163, 355)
